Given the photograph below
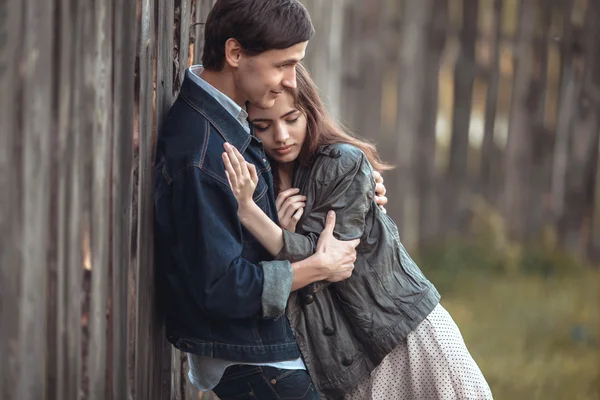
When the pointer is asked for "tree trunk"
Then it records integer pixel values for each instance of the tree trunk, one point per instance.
(489, 150)
(518, 150)
(430, 205)
(412, 64)
(351, 58)
(567, 95)
(576, 220)
(464, 77)
(542, 140)
(371, 66)
(324, 53)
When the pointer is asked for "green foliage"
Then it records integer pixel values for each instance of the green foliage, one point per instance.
(489, 248)
(528, 312)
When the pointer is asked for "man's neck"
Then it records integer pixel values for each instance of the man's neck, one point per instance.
(223, 82)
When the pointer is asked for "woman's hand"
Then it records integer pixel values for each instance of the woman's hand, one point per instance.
(241, 175)
(380, 191)
(290, 207)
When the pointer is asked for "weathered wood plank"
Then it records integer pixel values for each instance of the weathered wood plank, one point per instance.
(203, 8)
(122, 152)
(185, 21)
(144, 262)
(100, 221)
(164, 66)
(164, 99)
(68, 336)
(36, 117)
(176, 375)
(11, 29)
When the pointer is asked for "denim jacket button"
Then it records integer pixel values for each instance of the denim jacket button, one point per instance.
(328, 331)
(308, 299)
(346, 362)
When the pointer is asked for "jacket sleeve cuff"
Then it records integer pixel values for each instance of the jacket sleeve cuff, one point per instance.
(296, 247)
(277, 284)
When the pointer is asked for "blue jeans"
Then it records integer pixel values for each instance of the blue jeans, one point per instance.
(250, 382)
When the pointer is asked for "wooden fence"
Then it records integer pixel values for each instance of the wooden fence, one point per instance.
(85, 84)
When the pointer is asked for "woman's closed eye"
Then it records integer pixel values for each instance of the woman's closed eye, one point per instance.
(293, 121)
(261, 128)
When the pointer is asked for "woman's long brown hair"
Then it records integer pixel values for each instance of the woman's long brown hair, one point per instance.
(322, 128)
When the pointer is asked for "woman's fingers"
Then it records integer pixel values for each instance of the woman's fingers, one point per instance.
(292, 200)
(297, 215)
(242, 161)
(282, 196)
(253, 173)
(233, 159)
(291, 226)
(230, 171)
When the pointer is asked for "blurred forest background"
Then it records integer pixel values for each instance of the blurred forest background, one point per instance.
(490, 110)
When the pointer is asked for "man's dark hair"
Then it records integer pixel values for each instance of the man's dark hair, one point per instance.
(258, 25)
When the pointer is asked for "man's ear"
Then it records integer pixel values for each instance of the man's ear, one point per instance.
(233, 52)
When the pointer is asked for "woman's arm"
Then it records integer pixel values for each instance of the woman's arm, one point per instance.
(267, 232)
(349, 192)
(333, 258)
(243, 180)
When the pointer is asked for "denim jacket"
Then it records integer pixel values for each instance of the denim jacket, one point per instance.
(222, 293)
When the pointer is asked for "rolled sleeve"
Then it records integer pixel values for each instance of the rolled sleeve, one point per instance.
(277, 284)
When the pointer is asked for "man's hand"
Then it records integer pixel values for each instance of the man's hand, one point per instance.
(380, 191)
(336, 256)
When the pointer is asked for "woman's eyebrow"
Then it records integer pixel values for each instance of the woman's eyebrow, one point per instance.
(270, 120)
(288, 113)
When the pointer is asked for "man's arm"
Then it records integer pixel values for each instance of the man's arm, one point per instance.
(222, 282)
(209, 241)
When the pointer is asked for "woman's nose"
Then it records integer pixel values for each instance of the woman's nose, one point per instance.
(281, 134)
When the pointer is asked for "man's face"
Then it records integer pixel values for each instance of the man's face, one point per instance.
(263, 78)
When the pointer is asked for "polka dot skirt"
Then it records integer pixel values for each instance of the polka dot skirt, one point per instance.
(432, 364)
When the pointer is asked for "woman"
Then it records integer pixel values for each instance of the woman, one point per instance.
(381, 334)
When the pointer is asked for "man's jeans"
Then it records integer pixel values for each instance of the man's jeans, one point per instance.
(250, 382)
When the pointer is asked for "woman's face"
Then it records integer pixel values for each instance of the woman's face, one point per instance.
(281, 128)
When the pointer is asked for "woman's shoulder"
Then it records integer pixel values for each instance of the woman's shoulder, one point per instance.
(338, 160)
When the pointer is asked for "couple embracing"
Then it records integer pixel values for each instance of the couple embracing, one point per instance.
(280, 273)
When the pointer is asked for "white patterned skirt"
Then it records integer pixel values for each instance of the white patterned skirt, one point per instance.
(433, 363)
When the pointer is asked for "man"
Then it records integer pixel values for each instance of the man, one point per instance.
(223, 295)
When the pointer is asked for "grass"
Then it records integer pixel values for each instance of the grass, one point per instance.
(533, 334)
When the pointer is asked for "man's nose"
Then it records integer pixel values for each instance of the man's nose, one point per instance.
(289, 80)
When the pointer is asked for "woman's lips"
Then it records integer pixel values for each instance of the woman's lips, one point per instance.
(284, 150)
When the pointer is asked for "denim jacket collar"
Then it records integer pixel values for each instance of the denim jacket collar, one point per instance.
(212, 110)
